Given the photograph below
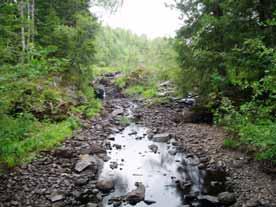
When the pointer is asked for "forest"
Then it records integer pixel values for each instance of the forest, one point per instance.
(50, 51)
(227, 53)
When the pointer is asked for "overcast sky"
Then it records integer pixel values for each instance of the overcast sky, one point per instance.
(149, 17)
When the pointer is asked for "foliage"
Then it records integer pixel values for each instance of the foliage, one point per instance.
(231, 143)
(47, 49)
(227, 53)
(143, 62)
(121, 49)
(23, 137)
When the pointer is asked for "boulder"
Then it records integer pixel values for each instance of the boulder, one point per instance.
(105, 185)
(136, 195)
(85, 162)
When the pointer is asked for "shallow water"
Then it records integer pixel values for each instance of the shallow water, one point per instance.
(157, 171)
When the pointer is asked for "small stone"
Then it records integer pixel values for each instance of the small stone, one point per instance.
(113, 165)
(149, 202)
(117, 203)
(117, 146)
(56, 197)
(172, 152)
(153, 148)
(96, 149)
(92, 205)
(165, 137)
(227, 198)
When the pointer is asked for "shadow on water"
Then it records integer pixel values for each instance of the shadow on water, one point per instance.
(171, 177)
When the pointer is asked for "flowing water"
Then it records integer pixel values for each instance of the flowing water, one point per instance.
(162, 172)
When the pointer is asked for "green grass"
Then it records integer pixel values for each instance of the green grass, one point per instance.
(90, 109)
(262, 136)
(21, 141)
(121, 82)
(98, 71)
(231, 143)
(146, 92)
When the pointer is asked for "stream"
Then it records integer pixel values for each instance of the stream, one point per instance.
(170, 177)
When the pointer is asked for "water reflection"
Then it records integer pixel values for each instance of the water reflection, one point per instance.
(157, 171)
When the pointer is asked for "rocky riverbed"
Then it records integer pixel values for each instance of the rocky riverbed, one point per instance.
(175, 163)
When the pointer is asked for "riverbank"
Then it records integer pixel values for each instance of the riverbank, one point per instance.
(68, 176)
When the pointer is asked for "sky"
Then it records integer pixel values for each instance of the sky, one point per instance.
(149, 17)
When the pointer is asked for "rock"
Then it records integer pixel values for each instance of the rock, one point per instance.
(153, 148)
(117, 146)
(64, 153)
(117, 112)
(81, 181)
(227, 198)
(207, 200)
(111, 138)
(99, 91)
(165, 137)
(56, 197)
(136, 195)
(185, 186)
(149, 202)
(113, 165)
(85, 162)
(91, 205)
(188, 101)
(96, 149)
(114, 130)
(172, 152)
(132, 133)
(117, 203)
(105, 185)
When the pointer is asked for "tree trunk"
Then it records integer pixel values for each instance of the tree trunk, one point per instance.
(23, 40)
(33, 21)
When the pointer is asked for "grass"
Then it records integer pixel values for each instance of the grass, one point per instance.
(146, 92)
(99, 71)
(262, 136)
(231, 143)
(90, 109)
(258, 137)
(21, 141)
(121, 82)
